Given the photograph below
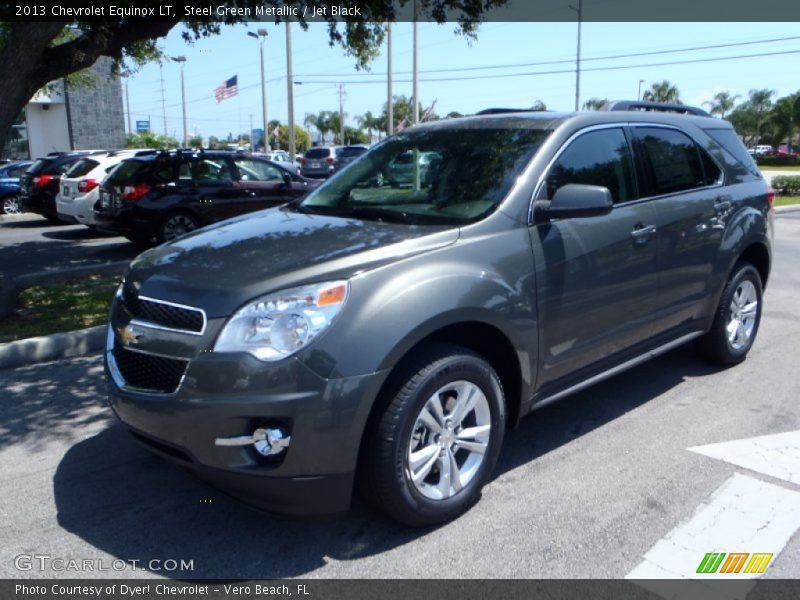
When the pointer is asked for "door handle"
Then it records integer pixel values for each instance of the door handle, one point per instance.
(642, 233)
(722, 206)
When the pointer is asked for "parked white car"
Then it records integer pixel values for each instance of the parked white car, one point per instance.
(284, 159)
(80, 186)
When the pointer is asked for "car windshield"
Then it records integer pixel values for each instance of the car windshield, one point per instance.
(432, 176)
(351, 151)
(318, 153)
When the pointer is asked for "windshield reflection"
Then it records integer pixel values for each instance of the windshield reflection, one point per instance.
(433, 176)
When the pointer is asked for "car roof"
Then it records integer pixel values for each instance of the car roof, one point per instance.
(546, 120)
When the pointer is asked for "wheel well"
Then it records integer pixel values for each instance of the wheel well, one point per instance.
(758, 256)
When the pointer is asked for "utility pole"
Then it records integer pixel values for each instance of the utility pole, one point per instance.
(290, 88)
(415, 85)
(252, 144)
(579, 10)
(163, 105)
(389, 99)
(181, 60)
(639, 92)
(128, 104)
(341, 113)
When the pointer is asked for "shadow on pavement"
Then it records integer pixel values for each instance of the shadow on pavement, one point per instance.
(77, 232)
(119, 498)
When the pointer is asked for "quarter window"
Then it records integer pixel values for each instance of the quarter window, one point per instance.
(672, 161)
(599, 157)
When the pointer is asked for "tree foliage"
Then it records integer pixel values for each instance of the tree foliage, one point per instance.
(36, 53)
(148, 139)
(662, 91)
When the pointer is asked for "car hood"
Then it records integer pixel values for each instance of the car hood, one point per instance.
(220, 267)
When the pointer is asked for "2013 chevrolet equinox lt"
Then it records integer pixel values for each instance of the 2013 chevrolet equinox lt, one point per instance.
(388, 335)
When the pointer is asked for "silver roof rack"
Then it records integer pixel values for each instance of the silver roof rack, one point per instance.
(655, 106)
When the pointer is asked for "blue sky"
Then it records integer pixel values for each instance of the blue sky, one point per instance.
(210, 61)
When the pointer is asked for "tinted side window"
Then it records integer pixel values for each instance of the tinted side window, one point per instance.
(257, 170)
(204, 171)
(671, 159)
(733, 145)
(600, 157)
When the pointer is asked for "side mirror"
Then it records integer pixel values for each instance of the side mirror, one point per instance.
(576, 200)
(287, 179)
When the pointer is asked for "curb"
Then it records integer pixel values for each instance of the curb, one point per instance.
(787, 208)
(52, 347)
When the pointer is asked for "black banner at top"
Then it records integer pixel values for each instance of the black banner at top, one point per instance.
(404, 10)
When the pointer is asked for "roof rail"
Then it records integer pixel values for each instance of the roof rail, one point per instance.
(501, 111)
(655, 106)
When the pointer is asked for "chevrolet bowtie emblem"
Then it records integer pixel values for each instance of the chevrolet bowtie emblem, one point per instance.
(128, 335)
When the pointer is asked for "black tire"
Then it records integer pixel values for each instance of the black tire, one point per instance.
(716, 346)
(385, 478)
(167, 228)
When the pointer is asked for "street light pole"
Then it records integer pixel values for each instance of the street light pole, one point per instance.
(290, 88)
(341, 113)
(639, 93)
(262, 37)
(182, 61)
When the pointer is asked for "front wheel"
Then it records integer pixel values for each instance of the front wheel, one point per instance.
(737, 319)
(437, 442)
(11, 205)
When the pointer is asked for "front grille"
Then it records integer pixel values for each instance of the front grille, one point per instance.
(147, 372)
(166, 315)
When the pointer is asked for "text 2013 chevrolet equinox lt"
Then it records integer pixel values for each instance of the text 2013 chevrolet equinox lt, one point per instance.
(386, 336)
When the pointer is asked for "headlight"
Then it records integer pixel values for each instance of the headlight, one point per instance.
(278, 325)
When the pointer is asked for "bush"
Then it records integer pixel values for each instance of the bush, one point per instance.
(777, 161)
(786, 184)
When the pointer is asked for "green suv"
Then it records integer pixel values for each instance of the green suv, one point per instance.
(385, 336)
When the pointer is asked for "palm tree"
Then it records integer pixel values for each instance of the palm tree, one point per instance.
(538, 105)
(783, 117)
(662, 92)
(369, 122)
(594, 103)
(722, 104)
(760, 102)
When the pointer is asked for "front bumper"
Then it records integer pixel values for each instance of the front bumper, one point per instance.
(230, 395)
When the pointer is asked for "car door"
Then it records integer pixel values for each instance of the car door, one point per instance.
(264, 184)
(684, 185)
(205, 185)
(595, 277)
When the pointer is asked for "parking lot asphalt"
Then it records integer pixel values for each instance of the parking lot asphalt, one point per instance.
(30, 244)
(584, 488)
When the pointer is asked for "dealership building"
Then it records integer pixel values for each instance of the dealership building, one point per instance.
(71, 117)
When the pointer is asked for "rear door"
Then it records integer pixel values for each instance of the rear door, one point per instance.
(685, 187)
(206, 187)
(595, 277)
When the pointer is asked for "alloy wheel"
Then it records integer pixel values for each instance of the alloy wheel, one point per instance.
(176, 225)
(11, 205)
(449, 440)
(742, 315)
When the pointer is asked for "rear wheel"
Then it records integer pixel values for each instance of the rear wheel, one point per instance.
(737, 319)
(436, 443)
(176, 224)
(11, 205)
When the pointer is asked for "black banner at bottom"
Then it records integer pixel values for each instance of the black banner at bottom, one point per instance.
(398, 589)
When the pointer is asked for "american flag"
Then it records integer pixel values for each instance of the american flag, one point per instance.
(227, 90)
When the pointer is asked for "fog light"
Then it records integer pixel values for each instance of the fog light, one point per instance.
(268, 441)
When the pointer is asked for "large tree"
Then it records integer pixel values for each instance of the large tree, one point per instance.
(34, 54)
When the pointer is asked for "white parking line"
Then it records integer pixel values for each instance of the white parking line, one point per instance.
(776, 455)
(744, 515)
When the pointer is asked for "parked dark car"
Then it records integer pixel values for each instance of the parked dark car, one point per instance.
(348, 154)
(9, 185)
(388, 336)
(163, 195)
(320, 161)
(39, 185)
